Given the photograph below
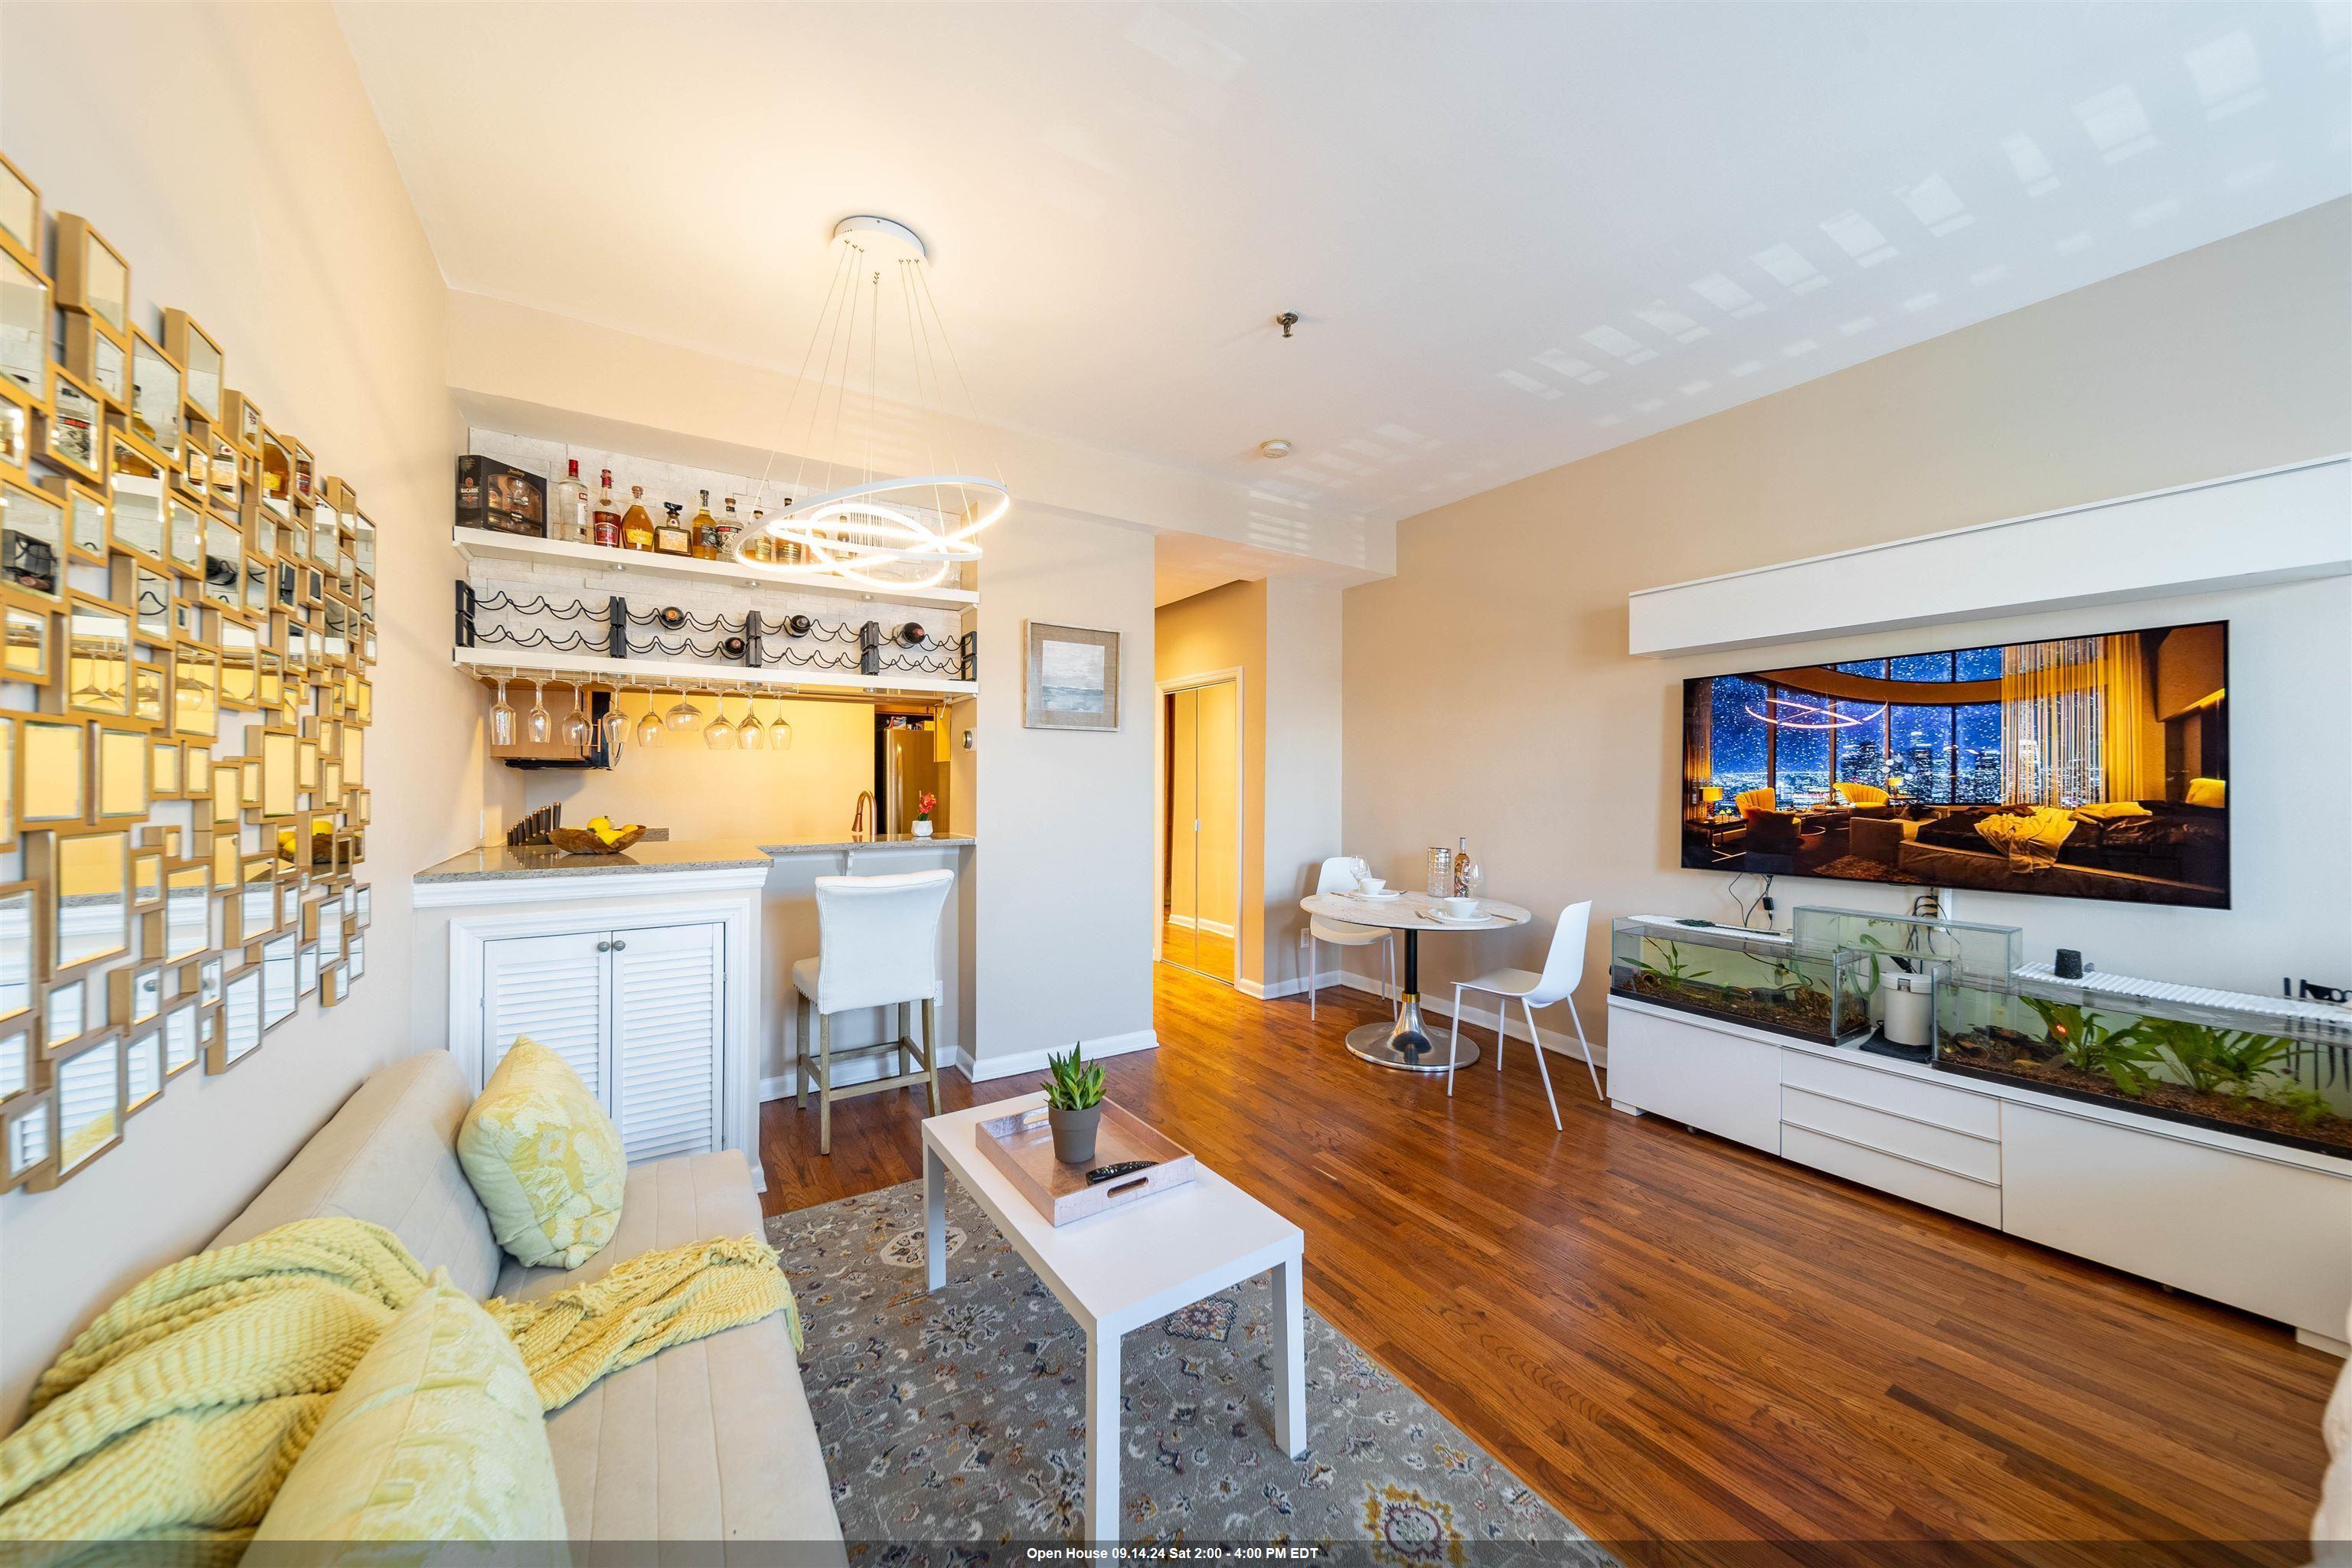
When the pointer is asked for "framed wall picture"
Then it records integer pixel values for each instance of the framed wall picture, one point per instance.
(20, 213)
(101, 356)
(90, 523)
(21, 412)
(92, 275)
(25, 1148)
(87, 1103)
(1071, 678)
(73, 435)
(23, 321)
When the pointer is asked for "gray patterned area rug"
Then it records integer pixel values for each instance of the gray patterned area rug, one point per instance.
(953, 1423)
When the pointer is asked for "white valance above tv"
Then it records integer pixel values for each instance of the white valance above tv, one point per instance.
(2281, 525)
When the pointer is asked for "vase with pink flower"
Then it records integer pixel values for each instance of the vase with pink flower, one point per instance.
(924, 805)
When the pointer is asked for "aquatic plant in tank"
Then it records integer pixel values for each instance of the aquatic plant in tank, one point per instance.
(2281, 1072)
(1725, 972)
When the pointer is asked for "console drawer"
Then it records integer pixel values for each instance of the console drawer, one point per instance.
(1933, 1103)
(1958, 1153)
(1904, 1178)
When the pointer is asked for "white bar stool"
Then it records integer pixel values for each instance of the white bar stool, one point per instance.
(1338, 874)
(1563, 968)
(878, 946)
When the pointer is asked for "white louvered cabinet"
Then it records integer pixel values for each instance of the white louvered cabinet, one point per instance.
(639, 1012)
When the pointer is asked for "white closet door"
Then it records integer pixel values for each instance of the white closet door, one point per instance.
(552, 989)
(667, 1000)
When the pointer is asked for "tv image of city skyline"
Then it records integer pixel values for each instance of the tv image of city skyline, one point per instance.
(2082, 766)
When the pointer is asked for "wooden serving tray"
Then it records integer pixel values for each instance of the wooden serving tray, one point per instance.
(1022, 1146)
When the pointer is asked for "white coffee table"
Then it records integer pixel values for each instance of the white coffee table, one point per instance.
(1125, 1267)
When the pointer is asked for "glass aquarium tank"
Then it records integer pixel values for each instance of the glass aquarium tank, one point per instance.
(2260, 1067)
(1899, 983)
(1752, 977)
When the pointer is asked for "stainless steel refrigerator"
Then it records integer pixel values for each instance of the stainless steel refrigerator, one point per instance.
(910, 768)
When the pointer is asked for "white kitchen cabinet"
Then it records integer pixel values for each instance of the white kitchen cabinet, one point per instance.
(635, 1011)
(647, 982)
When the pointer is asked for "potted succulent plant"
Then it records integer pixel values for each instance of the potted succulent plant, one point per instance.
(1073, 1093)
(924, 803)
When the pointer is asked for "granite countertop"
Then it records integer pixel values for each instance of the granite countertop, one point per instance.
(644, 856)
(880, 841)
(647, 855)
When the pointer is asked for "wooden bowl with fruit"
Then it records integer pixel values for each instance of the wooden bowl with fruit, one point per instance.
(600, 836)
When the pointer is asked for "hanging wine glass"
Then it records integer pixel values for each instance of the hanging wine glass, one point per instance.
(780, 734)
(537, 724)
(749, 735)
(719, 735)
(575, 723)
(685, 716)
(502, 717)
(649, 728)
(615, 725)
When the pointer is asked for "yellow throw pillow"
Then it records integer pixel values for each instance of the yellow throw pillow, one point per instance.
(436, 1436)
(544, 1159)
(2207, 791)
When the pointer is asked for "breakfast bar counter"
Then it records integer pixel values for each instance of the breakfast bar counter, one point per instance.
(506, 921)
(495, 861)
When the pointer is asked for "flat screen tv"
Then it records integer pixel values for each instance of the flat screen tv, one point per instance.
(2084, 767)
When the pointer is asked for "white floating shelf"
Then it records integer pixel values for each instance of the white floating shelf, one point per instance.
(484, 545)
(595, 668)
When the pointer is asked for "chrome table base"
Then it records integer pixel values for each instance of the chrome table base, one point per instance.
(1407, 1044)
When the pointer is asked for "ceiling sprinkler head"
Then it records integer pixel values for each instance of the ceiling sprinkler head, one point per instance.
(1277, 448)
(1287, 320)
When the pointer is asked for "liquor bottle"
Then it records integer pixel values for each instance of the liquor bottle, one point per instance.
(731, 529)
(636, 528)
(671, 536)
(567, 507)
(702, 533)
(605, 522)
(760, 548)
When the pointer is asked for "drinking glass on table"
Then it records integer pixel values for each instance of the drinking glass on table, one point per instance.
(1473, 879)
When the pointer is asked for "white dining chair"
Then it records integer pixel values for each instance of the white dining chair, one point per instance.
(878, 946)
(1340, 874)
(1563, 968)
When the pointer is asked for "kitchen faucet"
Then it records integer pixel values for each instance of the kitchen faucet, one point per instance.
(857, 828)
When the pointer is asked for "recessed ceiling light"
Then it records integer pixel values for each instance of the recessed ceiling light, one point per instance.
(1277, 448)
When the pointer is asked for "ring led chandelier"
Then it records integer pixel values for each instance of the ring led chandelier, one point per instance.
(866, 525)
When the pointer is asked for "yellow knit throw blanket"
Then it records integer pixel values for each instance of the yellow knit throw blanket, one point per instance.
(179, 1412)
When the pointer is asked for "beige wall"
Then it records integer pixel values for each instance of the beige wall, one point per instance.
(1302, 793)
(1222, 629)
(1531, 730)
(231, 155)
(1061, 880)
(809, 792)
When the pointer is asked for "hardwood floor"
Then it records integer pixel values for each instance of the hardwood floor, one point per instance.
(1202, 950)
(1670, 1336)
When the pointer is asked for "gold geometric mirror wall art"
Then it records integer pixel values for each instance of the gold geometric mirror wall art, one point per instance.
(188, 604)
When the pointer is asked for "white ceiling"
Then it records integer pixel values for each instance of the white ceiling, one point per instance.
(1518, 234)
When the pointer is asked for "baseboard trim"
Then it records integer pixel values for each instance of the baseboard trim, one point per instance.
(1513, 1027)
(1193, 922)
(854, 1070)
(1018, 1062)
(1278, 989)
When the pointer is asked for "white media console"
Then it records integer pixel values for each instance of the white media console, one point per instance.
(2256, 1225)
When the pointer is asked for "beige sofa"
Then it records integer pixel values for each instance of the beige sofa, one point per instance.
(709, 1441)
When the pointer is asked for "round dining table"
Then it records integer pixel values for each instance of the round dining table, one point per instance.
(1405, 1043)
